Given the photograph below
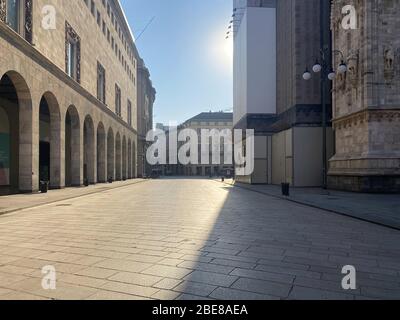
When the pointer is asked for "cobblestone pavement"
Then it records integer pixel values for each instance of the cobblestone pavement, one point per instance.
(193, 239)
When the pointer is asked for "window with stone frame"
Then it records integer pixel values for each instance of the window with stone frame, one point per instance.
(72, 53)
(129, 113)
(101, 83)
(17, 14)
(118, 101)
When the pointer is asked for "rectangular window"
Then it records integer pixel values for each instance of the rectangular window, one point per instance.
(101, 83)
(71, 69)
(129, 113)
(72, 53)
(13, 14)
(118, 101)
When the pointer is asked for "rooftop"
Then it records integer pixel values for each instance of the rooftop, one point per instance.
(213, 116)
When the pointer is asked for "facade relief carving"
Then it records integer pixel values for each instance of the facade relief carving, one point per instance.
(3, 11)
(389, 62)
(354, 69)
(28, 25)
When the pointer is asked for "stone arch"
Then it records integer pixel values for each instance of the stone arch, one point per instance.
(72, 147)
(50, 164)
(89, 156)
(124, 159)
(118, 157)
(110, 155)
(19, 173)
(101, 154)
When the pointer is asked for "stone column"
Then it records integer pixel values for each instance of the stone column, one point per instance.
(57, 151)
(77, 154)
(28, 143)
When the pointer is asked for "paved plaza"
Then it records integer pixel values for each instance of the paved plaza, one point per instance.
(191, 239)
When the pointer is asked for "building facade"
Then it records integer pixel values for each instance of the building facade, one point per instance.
(208, 121)
(68, 94)
(146, 95)
(366, 99)
(273, 42)
(204, 121)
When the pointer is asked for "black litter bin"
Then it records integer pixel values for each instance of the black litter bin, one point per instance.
(286, 189)
(44, 186)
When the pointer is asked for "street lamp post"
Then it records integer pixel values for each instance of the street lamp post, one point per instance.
(327, 74)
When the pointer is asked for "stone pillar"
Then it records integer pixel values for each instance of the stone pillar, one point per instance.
(62, 151)
(101, 157)
(77, 155)
(94, 160)
(129, 159)
(57, 151)
(28, 142)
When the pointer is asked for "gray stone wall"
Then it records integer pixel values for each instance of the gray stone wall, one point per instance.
(298, 44)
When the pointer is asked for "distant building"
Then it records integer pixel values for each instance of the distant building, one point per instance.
(146, 97)
(206, 120)
(210, 121)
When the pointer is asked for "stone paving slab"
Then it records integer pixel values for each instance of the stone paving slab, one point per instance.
(383, 209)
(18, 202)
(192, 239)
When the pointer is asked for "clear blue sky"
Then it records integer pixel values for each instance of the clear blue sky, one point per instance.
(187, 54)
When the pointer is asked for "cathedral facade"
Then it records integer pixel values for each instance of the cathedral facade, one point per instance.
(366, 99)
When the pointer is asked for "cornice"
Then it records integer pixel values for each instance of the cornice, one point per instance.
(366, 116)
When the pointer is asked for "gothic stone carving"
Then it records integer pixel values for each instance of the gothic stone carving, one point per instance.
(3, 10)
(354, 68)
(28, 20)
(367, 116)
(388, 57)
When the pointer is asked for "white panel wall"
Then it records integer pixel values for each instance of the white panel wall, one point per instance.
(261, 60)
(240, 72)
(255, 63)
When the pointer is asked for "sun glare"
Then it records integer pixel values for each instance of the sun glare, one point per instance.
(221, 50)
